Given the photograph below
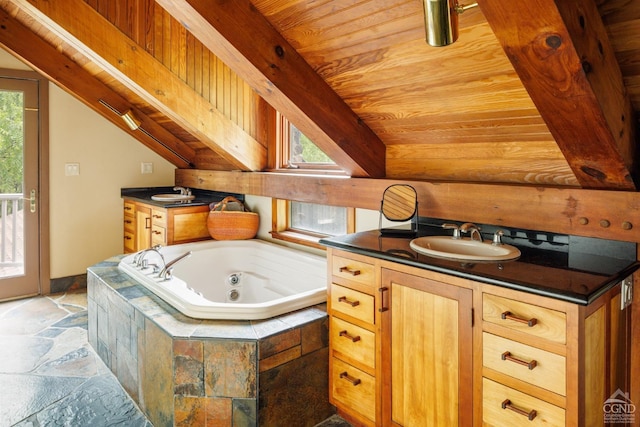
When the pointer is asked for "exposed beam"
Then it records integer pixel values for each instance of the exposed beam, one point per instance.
(563, 56)
(239, 35)
(613, 215)
(49, 61)
(93, 36)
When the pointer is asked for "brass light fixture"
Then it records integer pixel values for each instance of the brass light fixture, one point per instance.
(131, 120)
(441, 20)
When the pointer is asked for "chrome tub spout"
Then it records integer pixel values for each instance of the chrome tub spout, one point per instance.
(167, 271)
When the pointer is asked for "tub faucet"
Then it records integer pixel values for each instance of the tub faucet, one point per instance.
(183, 191)
(167, 271)
(472, 229)
(139, 258)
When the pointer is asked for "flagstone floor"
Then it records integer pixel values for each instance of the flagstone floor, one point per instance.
(50, 375)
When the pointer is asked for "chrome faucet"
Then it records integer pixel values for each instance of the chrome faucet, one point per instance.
(455, 228)
(139, 259)
(167, 271)
(183, 191)
(472, 229)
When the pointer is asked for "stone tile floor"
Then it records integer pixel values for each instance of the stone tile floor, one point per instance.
(50, 375)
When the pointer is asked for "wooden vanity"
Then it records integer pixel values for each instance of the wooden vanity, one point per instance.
(410, 346)
(148, 223)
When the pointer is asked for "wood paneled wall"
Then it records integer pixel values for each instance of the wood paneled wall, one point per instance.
(161, 35)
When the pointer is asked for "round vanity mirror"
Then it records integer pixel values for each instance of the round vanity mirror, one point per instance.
(399, 203)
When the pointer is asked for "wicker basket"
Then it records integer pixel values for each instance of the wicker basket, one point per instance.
(225, 224)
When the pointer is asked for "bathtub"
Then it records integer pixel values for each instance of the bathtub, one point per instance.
(234, 279)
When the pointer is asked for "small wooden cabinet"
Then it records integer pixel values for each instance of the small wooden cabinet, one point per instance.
(413, 347)
(148, 225)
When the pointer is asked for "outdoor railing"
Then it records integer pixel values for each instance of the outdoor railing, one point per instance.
(11, 230)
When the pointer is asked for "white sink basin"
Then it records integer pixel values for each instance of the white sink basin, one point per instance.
(172, 197)
(463, 249)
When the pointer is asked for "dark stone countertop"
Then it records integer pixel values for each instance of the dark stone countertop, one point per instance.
(203, 197)
(569, 268)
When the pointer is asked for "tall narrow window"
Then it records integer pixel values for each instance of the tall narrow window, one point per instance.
(304, 222)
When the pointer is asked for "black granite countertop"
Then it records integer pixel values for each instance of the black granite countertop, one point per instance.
(202, 197)
(569, 268)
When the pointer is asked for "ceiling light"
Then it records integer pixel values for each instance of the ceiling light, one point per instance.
(131, 120)
(441, 20)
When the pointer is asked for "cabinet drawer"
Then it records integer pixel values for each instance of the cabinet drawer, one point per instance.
(498, 401)
(353, 342)
(158, 236)
(528, 318)
(129, 242)
(129, 208)
(159, 217)
(353, 303)
(356, 271)
(129, 223)
(546, 370)
(353, 389)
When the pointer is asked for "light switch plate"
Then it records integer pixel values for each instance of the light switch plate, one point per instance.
(146, 168)
(71, 169)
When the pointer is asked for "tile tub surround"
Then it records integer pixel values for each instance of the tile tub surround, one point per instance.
(183, 371)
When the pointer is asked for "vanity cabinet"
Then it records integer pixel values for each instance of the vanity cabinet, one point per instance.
(549, 362)
(146, 225)
(414, 347)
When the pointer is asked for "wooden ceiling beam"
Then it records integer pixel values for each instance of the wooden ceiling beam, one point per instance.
(93, 36)
(49, 61)
(244, 40)
(562, 54)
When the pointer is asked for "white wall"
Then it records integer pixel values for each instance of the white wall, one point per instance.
(86, 211)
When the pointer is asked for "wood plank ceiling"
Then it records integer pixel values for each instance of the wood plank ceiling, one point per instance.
(539, 95)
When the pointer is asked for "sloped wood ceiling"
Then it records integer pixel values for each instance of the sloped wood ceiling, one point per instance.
(538, 95)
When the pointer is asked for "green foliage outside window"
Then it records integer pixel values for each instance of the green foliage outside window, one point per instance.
(303, 150)
(11, 141)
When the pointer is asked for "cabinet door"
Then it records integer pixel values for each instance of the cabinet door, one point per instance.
(426, 352)
(143, 227)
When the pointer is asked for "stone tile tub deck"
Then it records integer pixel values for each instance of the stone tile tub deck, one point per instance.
(185, 372)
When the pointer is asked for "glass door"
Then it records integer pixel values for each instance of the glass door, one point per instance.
(19, 158)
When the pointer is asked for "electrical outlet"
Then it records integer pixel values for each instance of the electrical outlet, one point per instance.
(626, 292)
(146, 168)
(71, 169)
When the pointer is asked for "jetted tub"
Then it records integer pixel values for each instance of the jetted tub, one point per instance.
(234, 279)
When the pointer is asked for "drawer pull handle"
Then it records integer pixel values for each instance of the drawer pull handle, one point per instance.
(351, 303)
(510, 316)
(350, 271)
(506, 404)
(351, 337)
(354, 381)
(507, 356)
(157, 216)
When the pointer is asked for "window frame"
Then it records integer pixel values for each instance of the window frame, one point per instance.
(281, 230)
(282, 149)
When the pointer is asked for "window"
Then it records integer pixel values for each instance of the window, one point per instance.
(297, 153)
(302, 222)
(306, 223)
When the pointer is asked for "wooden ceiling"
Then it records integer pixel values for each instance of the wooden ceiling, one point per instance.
(533, 93)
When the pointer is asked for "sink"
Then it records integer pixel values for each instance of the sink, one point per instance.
(172, 197)
(463, 249)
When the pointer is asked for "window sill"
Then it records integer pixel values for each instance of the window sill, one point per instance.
(299, 238)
